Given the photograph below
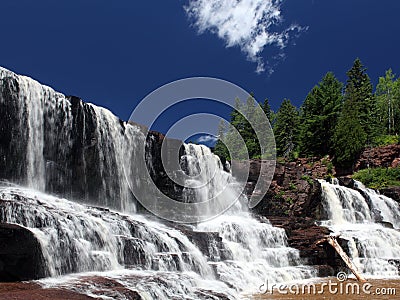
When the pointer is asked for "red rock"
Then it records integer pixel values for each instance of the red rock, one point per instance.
(387, 156)
(396, 163)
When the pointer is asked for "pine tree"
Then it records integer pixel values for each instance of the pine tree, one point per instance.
(286, 129)
(220, 148)
(349, 138)
(357, 125)
(236, 132)
(319, 115)
(268, 111)
(249, 135)
(359, 93)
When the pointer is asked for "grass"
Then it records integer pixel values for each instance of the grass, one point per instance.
(378, 178)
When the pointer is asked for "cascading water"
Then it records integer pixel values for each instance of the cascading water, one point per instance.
(61, 145)
(258, 251)
(78, 238)
(355, 215)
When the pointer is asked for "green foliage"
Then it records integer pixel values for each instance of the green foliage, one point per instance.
(308, 179)
(292, 186)
(388, 103)
(240, 135)
(384, 140)
(328, 164)
(320, 112)
(349, 138)
(358, 93)
(331, 121)
(286, 129)
(289, 200)
(357, 124)
(280, 195)
(330, 167)
(378, 178)
(220, 149)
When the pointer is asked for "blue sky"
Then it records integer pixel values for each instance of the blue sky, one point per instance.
(113, 53)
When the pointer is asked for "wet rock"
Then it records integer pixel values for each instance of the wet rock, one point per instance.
(32, 291)
(302, 234)
(210, 244)
(346, 181)
(20, 254)
(79, 161)
(392, 192)
(325, 271)
(395, 262)
(163, 154)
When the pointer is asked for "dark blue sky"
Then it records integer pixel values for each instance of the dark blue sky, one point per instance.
(113, 53)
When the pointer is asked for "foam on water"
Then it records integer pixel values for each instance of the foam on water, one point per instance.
(356, 216)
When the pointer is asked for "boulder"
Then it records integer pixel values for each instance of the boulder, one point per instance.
(392, 192)
(21, 257)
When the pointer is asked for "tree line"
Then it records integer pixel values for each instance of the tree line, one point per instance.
(335, 119)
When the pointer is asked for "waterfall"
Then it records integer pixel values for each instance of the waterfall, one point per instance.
(78, 238)
(258, 251)
(53, 144)
(60, 144)
(357, 216)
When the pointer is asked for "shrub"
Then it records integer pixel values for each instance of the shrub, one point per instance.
(384, 140)
(377, 178)
(292, 186)
(308, 179)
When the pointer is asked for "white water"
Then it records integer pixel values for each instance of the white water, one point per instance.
(47, 133)
(258, 251)
(159, 261)
(372, 245)
(37, 105)
(78, 238)
(162, 262)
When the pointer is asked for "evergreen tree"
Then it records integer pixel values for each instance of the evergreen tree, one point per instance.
(286, 129)
(358, 92)
(220, 148)
(249, 135)
(349, 138)
(319, 114)
(245, 120)
(236, 132)
(268, 111)
(357, 125)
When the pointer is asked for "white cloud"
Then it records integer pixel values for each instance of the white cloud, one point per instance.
(207, 139)
(244, 23)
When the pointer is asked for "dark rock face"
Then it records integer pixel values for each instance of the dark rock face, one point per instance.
(293, 191)
(60, 144)
(210, 244)
(161, 154)
(12, 151)
(392, 192)
(20, 254)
